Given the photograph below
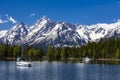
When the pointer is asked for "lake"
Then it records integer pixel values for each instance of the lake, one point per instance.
(44, 70)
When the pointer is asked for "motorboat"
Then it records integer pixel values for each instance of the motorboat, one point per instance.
(86, 60)
(23, 62)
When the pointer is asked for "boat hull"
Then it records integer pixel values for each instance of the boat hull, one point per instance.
(24, 64)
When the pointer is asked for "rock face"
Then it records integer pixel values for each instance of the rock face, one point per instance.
(16, 34)
(46, 32)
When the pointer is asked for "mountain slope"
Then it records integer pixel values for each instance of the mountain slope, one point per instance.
(2, 34)
(46, 32)
(62, 35)
(16, 34)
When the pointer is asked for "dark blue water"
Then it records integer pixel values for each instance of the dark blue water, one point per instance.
(59, 71)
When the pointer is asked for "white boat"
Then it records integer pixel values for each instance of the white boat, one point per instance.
(86, 60)
(22, 62)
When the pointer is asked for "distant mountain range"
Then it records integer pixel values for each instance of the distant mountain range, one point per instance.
(59, 34)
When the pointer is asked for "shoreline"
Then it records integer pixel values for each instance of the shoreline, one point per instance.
(107, 59)
(92, 61)
(68, 59)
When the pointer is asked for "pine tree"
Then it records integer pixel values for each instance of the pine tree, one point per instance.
(17, 51)
(63, 53)
(57, 53)
(117, 54)
(50, 52)
(2, 50)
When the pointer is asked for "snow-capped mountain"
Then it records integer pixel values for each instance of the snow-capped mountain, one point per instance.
(103, 30)
(16, 34)
(46, 32)
(2, 34)
(39, 31)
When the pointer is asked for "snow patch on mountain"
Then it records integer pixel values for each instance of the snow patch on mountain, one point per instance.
(2, 33)
(46, 32)
(16, 34)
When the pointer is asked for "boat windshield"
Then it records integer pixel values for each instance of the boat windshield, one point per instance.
(21, 59)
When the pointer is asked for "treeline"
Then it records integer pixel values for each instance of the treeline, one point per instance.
(104, 49)
(107, 49)
(7, 51)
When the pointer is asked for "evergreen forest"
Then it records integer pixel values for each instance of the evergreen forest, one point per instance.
(104, 49)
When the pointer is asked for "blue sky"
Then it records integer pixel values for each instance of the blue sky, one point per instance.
(74, 11)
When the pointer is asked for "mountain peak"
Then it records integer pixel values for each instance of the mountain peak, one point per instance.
(45, 18)
(20, 23)
(43, 21)
(59, 33)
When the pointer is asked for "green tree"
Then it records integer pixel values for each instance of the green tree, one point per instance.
(2, 51)
(117, 54)
(64, 53)
(17, 51)
(31, 53)
(57, 53)
(40, 53)
(50, 52)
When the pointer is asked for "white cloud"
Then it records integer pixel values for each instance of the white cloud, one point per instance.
(3, 21)
(12, 19)
(32, 15)
(7, 19)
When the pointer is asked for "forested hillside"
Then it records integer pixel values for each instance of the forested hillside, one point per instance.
(104, 49)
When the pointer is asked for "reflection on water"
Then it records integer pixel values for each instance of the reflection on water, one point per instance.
(105, 62)
(59, 71)
(19, 67)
